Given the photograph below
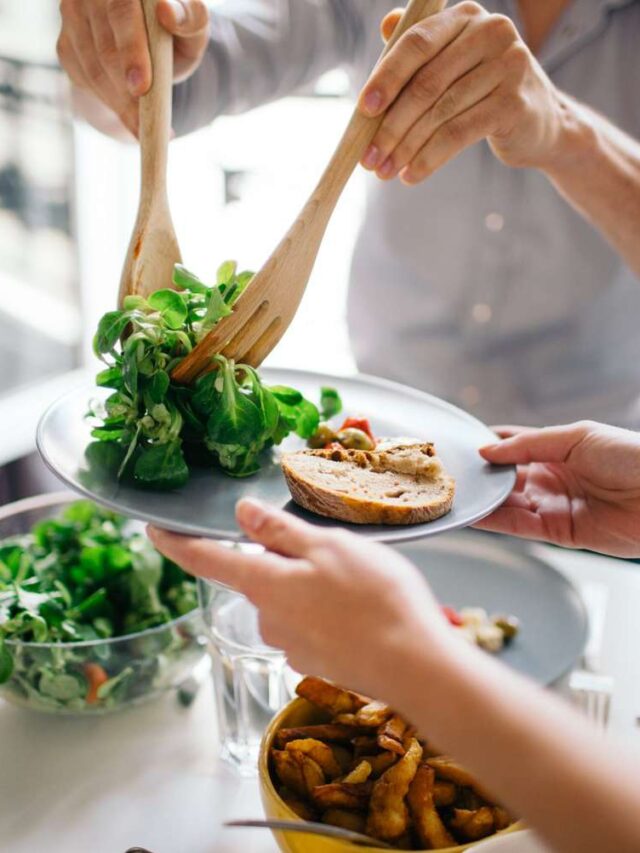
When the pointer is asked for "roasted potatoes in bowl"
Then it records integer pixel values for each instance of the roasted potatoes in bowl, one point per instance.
(337, 757)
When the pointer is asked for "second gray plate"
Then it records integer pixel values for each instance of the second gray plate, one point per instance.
(205, 506)
(473, 569)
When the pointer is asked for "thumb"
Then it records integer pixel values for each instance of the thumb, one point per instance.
(183, 18)
(276, 530)
(390, 22)
(551, 444)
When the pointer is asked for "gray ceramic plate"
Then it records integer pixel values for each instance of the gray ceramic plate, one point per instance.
(472, 569)
(205, 506)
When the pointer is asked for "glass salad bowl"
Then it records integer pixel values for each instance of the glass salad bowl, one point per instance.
(97, 675)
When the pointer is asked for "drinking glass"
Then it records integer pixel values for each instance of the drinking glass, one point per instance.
(251, 680)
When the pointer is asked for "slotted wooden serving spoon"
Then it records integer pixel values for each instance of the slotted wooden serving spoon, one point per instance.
(154, 249)
(267, 307)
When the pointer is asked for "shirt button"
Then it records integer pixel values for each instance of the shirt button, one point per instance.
(481, 312)
(494, 222)
(470, 396)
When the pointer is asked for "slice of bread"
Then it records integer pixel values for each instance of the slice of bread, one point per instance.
(394, 484)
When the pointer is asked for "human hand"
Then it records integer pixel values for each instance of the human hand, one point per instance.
(103, 48)
(578, 486)
(337, 604)
(455, 78)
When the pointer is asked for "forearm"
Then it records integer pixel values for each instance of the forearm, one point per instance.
(597, 169)
(541, 759)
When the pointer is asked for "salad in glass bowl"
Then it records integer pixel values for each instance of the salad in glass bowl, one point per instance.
(92, 617)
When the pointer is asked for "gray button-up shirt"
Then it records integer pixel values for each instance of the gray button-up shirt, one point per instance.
(481, 285)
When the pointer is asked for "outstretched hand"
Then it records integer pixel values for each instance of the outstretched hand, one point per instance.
(338, 605)
(578, 486)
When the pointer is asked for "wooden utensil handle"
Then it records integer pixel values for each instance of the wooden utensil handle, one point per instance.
(155, 106)
(362, 129)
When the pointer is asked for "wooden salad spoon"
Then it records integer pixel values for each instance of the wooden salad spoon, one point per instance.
(267, 307)
(154, 249)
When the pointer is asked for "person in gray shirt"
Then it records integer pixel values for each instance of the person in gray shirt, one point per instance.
(506, 278)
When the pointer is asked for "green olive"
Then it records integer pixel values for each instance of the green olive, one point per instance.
(355, 439)
(509, 625)
(322, 436)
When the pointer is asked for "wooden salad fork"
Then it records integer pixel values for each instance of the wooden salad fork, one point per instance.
(154, 249)
(267, 307)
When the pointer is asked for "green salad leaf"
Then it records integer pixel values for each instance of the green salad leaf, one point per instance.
(330, 403)
(6, 662)
(152, 430)
(86, 576)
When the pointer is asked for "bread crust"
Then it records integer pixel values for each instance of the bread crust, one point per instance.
(357, 507)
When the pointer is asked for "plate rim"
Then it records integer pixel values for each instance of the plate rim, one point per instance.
(387, 534)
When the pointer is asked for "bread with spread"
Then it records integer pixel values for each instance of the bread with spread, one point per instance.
(397, 483)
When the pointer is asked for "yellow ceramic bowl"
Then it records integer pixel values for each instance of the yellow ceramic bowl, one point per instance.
(302, 713)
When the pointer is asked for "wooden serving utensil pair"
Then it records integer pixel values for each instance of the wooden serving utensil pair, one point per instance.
(267, 307)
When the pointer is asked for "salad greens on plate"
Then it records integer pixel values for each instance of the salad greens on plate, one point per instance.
(91, 615)
(153, 430)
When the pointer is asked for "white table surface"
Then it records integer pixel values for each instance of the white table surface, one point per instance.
(151, 777)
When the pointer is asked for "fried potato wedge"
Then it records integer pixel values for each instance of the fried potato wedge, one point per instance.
(343, 756)
(360, 773)
(341, 795)
(380, 763)
(331, 732)
(391, 734)
(444, 793)
(373, 715)
(473, 825)
(388, 817)
(321, 753)
(334, 699)
(297, 771)
(447, 768)
(501, 818)
(365, 745)
(346, 719)
(302, 808)
(431, 831)
(353, 821)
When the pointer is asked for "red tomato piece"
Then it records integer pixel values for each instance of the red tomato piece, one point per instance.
(452, 616)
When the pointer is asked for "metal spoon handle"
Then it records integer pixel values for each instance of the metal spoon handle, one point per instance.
(311, 828)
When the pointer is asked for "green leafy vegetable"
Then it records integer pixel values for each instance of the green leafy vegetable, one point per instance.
(85, 577)
(152, 430)
(110, 328)
(6, 662)
(161, 466)
(330, 403)
(171, 305)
